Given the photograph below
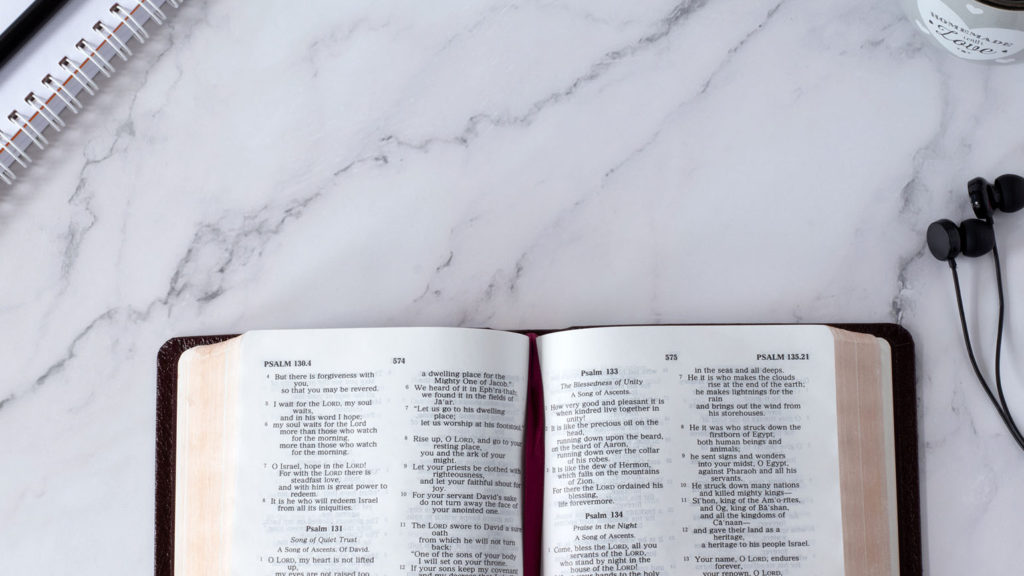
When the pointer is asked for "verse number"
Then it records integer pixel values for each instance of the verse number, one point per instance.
(671, 357)
(398, 360)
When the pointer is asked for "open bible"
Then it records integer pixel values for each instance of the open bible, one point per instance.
(643, 450)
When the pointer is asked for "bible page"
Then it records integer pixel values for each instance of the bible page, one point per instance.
(387, 451)
(704, 450)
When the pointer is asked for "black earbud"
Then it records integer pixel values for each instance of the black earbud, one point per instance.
(976, 237)
(1007, 195)
(971, 238)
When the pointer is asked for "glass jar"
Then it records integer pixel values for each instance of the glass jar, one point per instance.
(980, 30)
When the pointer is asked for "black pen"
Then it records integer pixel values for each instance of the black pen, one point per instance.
(25, 26)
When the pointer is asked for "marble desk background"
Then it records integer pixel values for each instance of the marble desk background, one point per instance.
(513, 165)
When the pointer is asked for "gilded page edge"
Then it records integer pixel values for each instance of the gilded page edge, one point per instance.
(205, 458)
(888, 413)
(866, 454)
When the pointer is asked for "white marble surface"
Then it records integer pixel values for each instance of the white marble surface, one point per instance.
(514, 165)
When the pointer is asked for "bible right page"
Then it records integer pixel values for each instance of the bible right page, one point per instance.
(705, 450)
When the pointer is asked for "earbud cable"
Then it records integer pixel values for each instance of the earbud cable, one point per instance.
(1014, 432)
(999, 341)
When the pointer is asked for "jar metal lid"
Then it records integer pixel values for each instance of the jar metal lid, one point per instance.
(1004, 4)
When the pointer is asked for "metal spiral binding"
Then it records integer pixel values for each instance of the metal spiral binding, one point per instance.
(64, 90)
(92, 54)
(128, 20)
(119, 46)
(6, 174)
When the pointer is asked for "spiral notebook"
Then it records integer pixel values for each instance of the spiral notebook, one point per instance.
(40, 86)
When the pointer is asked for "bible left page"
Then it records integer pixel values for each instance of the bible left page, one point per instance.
(379, 452)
